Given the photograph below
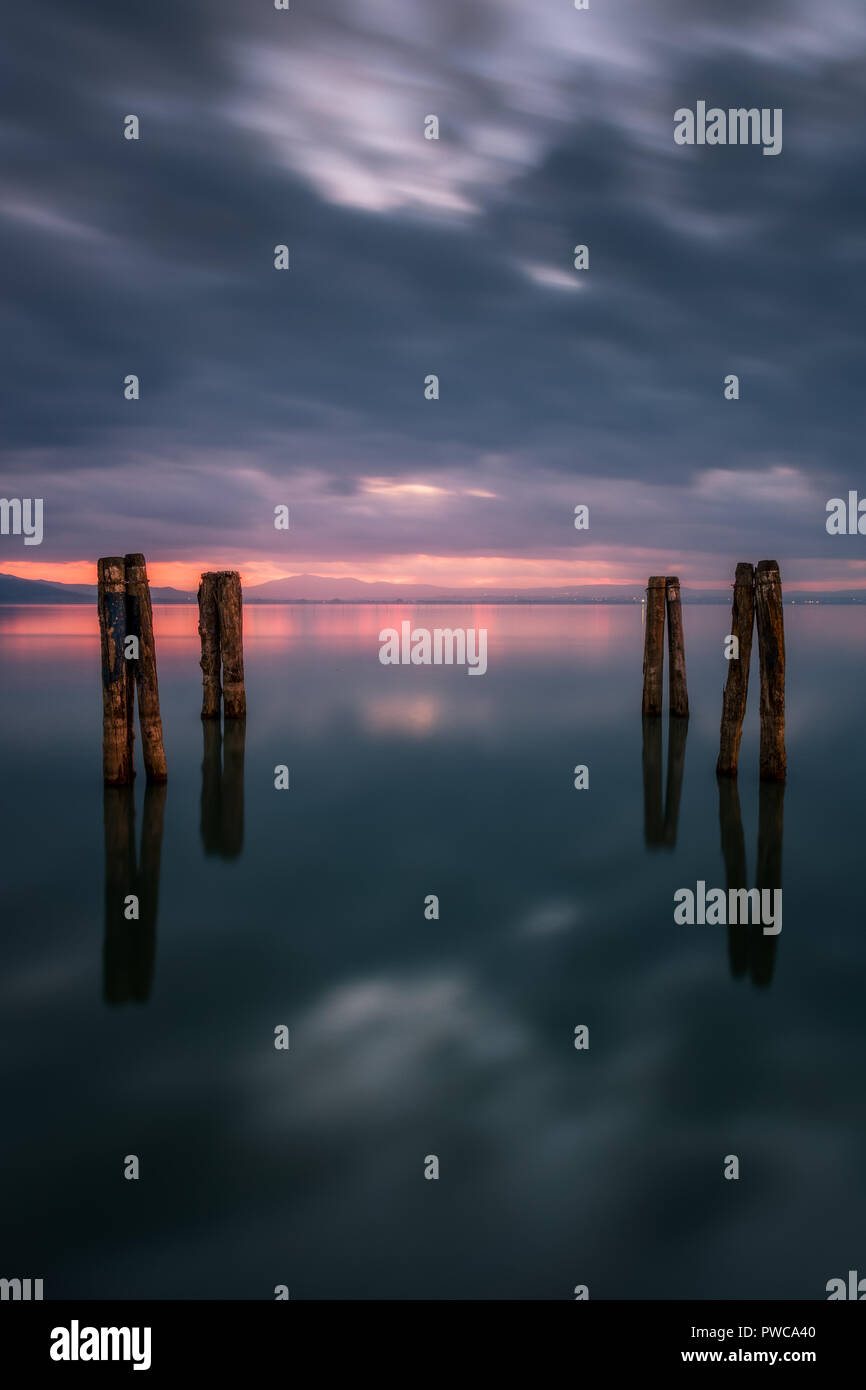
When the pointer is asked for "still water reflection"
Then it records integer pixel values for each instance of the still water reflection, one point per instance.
(410, 1036)
(131, 892)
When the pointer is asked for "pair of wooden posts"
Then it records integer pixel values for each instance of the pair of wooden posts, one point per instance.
(221, 628)
(757, 596)
(128, 664)
(663, 591)
(757, 600)
(220, 625)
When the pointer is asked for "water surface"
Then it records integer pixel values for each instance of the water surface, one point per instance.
(412, 1037)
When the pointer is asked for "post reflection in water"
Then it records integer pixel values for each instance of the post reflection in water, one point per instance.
(653, 819)
(222, 788)
(749, 950)
(129, 951)
(660, 822)
(678, 730)
(734, 856)
(768, 874)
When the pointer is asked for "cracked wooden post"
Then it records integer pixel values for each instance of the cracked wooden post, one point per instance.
(118, 731)
(653, 652)
(737, 683)
(679, 695)
(208, 626)
(771, 652)
(221, 626)
(231, 636)
(139, 623)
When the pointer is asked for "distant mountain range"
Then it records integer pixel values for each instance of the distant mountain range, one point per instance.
(14, 590)
(316, 588)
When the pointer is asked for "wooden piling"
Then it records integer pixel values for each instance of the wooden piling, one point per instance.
(737, 683)
(208, 626)
(771, 651)
(139, 623)
(231, 633)
(679, 695)
(118, 730)
(653, 657)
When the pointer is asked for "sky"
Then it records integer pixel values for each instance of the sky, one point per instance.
(410, 257)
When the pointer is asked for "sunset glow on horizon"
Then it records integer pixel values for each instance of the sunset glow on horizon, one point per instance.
(448, 572)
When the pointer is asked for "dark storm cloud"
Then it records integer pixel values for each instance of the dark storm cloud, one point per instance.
(410, 257)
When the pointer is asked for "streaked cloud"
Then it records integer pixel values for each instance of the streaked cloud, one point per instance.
(412, 256)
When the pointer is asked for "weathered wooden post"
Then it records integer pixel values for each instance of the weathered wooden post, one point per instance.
(208, 626)
(118, 728)
(221, 626)
(771, 650)
(737, 683)
(139, 623)
(679, 695)
(231, 630)
(653, 656)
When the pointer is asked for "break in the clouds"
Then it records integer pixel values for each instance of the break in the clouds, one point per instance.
(411, 257)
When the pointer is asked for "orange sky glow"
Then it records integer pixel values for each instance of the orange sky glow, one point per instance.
(465, 572)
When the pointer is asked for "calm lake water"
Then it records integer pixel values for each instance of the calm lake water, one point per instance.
(412, 1037)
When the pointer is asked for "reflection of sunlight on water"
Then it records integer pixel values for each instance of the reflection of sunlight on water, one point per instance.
(399, 713)
(81, 620)
(50, 620)
(546, 624)
(555, 625)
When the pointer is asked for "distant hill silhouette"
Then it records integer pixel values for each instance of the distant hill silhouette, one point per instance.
(15, 590)
(317, 588)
